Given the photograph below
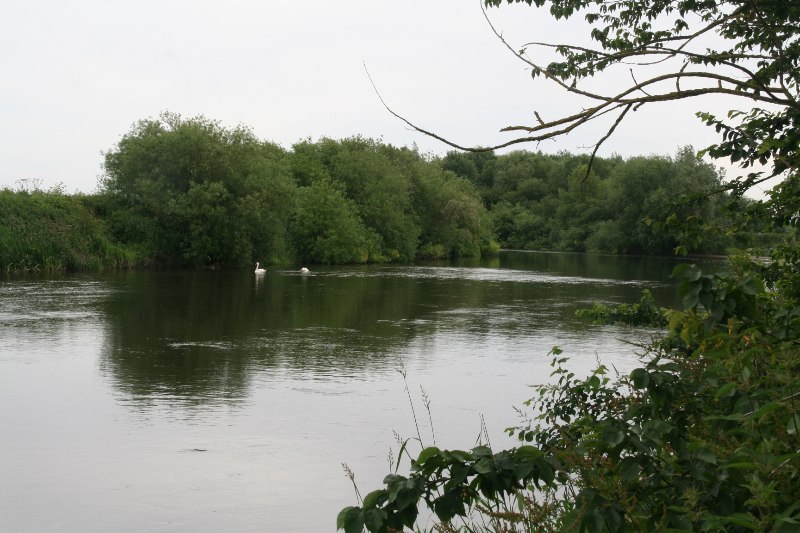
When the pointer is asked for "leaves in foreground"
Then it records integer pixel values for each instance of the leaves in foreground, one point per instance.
(702, 437)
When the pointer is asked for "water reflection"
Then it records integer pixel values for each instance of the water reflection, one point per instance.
(201, 336)
(615, 267)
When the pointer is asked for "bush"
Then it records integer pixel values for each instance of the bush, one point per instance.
(703, 437)
(644, 313)
(51, 231)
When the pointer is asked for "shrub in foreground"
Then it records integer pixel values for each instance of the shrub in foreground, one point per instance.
(704, 436)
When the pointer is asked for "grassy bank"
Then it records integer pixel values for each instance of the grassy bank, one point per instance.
(52, 231)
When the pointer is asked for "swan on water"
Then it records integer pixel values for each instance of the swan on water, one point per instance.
(259, 270)
(304, 270)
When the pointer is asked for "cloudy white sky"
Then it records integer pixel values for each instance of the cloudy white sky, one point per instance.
(74, 77)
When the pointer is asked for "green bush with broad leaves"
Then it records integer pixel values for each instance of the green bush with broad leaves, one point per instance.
(704, 436)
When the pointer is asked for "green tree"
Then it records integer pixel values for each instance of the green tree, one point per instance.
(199, 193)
(409, 206)
(477, 167)
(580, 205)
(543, 201)
(382, 191)
(326, 227)
(453, 219)
(519, 177)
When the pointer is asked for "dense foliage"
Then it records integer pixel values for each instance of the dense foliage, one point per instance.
(705, 435)
(645, 312)
(401, 205)
(547, 202)
(52, 231)
(192, 192)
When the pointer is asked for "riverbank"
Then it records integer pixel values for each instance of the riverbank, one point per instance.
(47, 231)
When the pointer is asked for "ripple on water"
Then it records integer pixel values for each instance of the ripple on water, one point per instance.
(222, 345)
(50, 300)
(480, 274)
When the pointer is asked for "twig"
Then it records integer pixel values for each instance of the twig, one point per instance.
(601, 141)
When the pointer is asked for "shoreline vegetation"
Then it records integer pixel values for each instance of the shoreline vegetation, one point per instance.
(190, 193)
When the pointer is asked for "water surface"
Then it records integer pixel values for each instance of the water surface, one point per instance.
(218, 401)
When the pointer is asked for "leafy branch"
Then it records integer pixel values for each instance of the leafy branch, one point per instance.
(762, 54)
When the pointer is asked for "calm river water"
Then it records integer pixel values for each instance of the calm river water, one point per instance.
(215, 401)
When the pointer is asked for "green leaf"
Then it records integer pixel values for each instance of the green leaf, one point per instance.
(594, 521)
(484, 466)
(428, 453)
(745, 374)
(751, 286)
(680, 523)
(529, 452)
(374, 519)
(612, 436)
(640, 378)
(766, 409)
(733, 417)
(341, 517)
(741, 466)
(705, 455)
(372, 499)
(392, 479)
(787, 521)
(458, 455)
(405, 498)
(409, 515)
(729, 389)
(793, 425)
(546, 471)
(350, 519)
(654, 430)
(741, 519)
(400, 454)
(448, 505)
(628, 469)
(691, 295)
(686, 272)
(481, 451)
(522, 471)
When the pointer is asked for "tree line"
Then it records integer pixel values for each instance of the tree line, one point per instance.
(193, 192)
(189, 192)
(542, 201)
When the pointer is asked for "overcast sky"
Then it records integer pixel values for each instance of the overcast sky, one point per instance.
(74, 77)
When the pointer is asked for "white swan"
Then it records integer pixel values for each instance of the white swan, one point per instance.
(259, 270)
(304, 270)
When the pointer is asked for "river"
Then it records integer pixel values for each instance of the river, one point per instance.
(222, 401)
